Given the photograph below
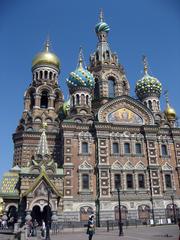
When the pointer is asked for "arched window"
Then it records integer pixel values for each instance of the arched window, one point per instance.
(84, 147)
(44, 99)
(141, 182)
(85, 181)
(45, 74)
(36, 75)
(77, 99)
(32, 100)
(111, 87)
(50, 75)
(97, 56)
(150, 104)
(96, 89)
(164, 150)
(73, 100)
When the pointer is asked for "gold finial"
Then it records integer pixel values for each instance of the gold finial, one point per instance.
(47, 44)
(80, 58)
(145, 62)
(101, 15)
(44, 125)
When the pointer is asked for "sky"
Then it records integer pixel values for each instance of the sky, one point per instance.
(138, 27)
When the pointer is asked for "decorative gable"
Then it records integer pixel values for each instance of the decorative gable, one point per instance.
(167, 167)
(86, 166)
(116, 166)
(140, 166)
(125, 110)
(128, 166)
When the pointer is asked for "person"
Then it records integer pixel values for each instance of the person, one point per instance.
(91, 227)
(43, 230)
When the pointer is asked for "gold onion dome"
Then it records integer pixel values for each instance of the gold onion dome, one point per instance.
(46, 57)
(170, 112)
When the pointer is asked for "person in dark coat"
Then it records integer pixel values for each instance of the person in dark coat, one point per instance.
(91, 227)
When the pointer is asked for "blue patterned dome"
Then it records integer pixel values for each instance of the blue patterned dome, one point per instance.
(102, 27)
(80, 77)
(148, 85)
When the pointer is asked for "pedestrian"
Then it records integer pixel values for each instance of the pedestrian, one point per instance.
(91, 227)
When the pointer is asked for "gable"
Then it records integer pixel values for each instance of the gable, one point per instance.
(125, 110)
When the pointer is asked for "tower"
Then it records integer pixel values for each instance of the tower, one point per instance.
(80, 84)
(110, 79)
(42, 101)
(148, 89)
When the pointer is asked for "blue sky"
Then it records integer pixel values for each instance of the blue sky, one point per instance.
(150, 27)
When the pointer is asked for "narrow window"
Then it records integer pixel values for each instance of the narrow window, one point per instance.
(141, 182)
(85, 181)
(168, 181)
(50, 75)
(138, 148)
(41, 74)
(45, 74)
(117, 181)
(87, 100)
(77, 99)
(126, 148)
(111, 88)
(129, 181)
(164, 150)
(32, 100)
(44, 99)
(84, 147)
(96, 89)
(115, 148)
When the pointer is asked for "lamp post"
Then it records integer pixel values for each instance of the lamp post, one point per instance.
(120, 219)
(48, 216)
(174, 211)
(152, 203)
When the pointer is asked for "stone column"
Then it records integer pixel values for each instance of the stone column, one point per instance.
(51, 102)
(37, 97)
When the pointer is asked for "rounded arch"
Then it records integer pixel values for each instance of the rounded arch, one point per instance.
(85, 211)
(144, 212)
(10, 205)
(124, 212)
(42, 88)
(37, 201)
(172, 209)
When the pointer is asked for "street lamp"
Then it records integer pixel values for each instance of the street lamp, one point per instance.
(174, 211)
(152, 203)
(120, 219)
(48, 216)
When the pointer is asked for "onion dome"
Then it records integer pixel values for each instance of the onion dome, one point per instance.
(102, 26)
(169, 111)
(148, 85)
(81, 77)
(46, 57)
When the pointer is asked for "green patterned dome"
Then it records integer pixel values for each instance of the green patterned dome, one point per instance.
(148, 86)
(102, 27)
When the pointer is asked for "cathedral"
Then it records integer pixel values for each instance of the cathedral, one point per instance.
(82, 151)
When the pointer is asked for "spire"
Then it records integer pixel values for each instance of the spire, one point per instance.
(166, 96)
(43, 145)
(47, 43)
(145, 62)
(80, 58)
(101, 15)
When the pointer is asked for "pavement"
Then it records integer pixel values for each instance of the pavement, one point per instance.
(168, 232)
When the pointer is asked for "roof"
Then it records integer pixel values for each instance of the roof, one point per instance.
(9, 184)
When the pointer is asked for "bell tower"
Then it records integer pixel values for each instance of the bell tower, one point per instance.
(110, 78)
(42, 101)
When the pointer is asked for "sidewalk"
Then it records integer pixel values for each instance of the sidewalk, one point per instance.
(170, 232)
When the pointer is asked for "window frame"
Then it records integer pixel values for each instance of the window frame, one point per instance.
(127, 144)
(141, 174)
(170, 178)
(164, 149)
(88, 182)
(138, 144)
(117, 145)
(82, 148)
(132, 182)
(117, 182)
